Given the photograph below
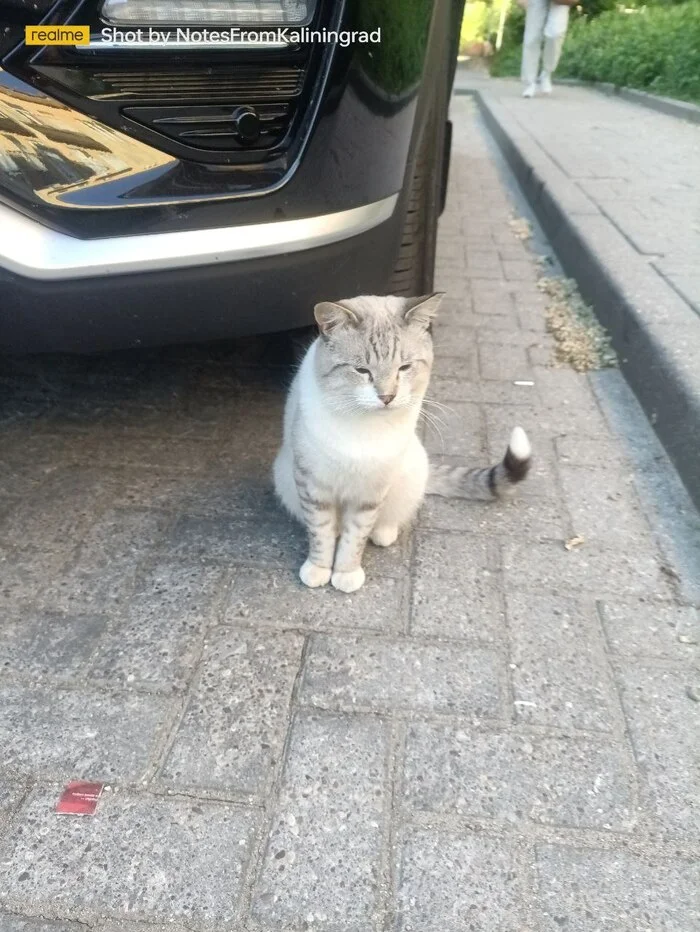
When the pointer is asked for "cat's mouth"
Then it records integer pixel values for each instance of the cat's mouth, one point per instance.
(390, 408)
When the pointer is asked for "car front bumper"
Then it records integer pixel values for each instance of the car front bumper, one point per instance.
(151, 290)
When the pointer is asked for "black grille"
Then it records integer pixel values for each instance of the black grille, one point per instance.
(235, 83)
(206, 84)
(198, 108)
(215, 127)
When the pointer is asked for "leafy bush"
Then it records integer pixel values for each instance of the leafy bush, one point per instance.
(507, 60)
(474, 24)
(593, 8)
(655, 48)
(480, 21)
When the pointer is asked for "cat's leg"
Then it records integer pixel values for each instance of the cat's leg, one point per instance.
(321, 519)
(404, 497)
(358, 521)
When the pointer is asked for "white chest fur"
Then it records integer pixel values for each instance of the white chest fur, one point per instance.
(347, 449)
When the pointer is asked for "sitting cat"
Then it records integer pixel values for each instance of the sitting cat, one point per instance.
(351, 466)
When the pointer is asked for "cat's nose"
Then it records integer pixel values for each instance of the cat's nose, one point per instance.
(387, 399)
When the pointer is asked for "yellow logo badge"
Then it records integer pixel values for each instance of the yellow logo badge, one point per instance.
(57, 35)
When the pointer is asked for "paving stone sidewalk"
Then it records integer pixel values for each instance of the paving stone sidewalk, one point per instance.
(637, 166)
(495, 734)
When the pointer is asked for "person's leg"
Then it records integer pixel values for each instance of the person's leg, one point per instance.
(554, 33)
(532, 43)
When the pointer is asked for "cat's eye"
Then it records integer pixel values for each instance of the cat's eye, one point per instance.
(362, 371)
(406, 366)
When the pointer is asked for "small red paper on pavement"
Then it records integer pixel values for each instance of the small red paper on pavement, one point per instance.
(79, 798)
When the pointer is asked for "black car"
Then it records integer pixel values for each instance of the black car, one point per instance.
(205, 169)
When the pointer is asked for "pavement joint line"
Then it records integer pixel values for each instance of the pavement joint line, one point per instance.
(255, 865)
(640, 793)
(388, 883)
(538, 833)
(160, 753)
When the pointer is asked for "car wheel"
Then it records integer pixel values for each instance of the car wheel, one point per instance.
(415, 266)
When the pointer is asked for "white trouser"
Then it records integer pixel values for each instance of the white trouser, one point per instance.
(543, 19)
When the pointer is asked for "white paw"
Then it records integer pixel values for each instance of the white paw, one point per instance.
(348, 582)
(384, 536)
(314, 576)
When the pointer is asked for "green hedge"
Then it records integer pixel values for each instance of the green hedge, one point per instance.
(507, 60)
(654, 48)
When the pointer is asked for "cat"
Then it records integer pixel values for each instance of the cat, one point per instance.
(351, 467)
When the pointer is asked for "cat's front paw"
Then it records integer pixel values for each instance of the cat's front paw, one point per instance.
(348, 581)
(384, 535)
(314, 576)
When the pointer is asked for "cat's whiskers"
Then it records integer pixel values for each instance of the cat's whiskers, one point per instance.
(439, 405)
(435, 416)
(432, 421)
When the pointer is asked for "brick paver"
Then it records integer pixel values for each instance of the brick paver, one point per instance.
(494, 734)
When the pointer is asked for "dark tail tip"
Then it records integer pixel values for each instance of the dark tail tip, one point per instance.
(518, 458)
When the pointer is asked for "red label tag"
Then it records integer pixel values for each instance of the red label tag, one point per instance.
(79, 798)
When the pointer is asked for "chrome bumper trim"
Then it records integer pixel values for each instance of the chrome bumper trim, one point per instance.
(28, 248)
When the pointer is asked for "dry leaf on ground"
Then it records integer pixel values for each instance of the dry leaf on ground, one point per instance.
(520, 227)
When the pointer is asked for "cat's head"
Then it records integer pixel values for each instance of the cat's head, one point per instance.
(375, 353)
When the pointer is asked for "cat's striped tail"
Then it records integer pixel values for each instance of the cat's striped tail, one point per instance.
(499, 481)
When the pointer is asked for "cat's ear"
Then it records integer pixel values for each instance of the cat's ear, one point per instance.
(330, 316)
(421, 311)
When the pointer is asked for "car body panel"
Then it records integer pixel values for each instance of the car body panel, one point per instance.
(65, 169)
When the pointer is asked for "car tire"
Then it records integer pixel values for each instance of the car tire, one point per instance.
(415, 267)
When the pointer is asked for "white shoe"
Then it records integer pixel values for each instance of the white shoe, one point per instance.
(530, 90)
(545, 83)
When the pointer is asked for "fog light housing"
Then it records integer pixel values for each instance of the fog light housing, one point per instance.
(208, 12)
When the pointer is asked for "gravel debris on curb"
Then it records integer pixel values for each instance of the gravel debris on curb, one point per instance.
(520, 227)
(580, 341)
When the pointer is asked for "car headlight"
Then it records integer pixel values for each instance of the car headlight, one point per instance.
(208, 12)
